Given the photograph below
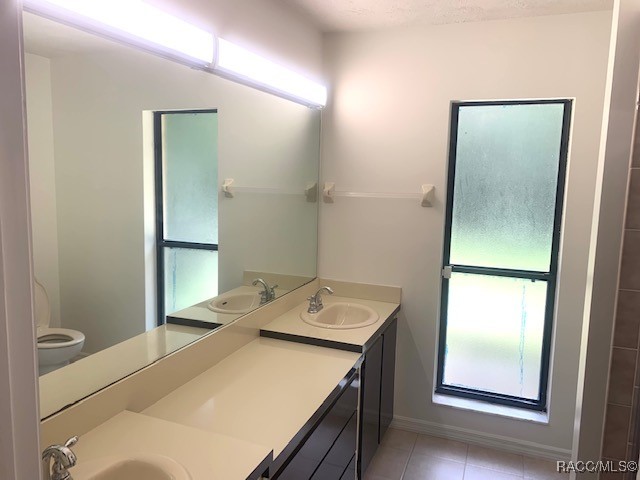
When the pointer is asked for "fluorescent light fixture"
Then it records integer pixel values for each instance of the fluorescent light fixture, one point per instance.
(134, 21)
(250, 68)
(131, 19)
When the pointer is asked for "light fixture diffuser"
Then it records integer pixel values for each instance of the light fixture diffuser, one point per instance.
(251, 68)
(131, 20)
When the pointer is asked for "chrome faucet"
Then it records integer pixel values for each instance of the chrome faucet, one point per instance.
(268, 293)
(315, 301)
(63, 460)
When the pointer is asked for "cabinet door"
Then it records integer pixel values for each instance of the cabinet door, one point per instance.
(370, 406)
(388, 376)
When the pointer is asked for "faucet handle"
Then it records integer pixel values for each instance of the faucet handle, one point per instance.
(68, 458)
(71, 442)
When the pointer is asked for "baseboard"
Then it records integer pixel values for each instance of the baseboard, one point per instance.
(479, 438)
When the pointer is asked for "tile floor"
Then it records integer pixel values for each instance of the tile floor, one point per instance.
(409, 456)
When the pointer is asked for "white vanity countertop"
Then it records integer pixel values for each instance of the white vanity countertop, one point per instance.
(84, 377)
(354, 339)
(263, 393)
(205, 455)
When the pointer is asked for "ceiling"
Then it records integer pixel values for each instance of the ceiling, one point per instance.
(50, 39)
(355, 15)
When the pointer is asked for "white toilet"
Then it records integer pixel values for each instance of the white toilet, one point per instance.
(56, 346)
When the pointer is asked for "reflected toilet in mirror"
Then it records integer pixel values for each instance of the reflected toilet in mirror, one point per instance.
(56, 346)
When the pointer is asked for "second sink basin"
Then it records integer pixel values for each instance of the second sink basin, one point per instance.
(139, 467)
(341, 315)
(235, 303)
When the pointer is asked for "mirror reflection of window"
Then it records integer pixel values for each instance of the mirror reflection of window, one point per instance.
(186, 154)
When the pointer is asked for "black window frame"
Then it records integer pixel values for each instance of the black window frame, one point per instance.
(161, 242)
(540, 404)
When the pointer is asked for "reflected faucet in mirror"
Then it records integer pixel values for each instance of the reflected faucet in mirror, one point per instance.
(268, 293)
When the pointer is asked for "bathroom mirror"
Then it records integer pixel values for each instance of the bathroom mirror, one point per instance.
(137, 249)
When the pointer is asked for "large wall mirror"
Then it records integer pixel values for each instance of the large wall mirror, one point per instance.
(137, 249)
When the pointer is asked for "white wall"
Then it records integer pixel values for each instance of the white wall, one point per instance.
(44, 220)
(387, 131)
(268, 143)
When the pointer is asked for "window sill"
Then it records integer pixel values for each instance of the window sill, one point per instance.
(491, 409)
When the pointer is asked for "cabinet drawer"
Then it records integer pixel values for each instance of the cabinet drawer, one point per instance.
(341, 453)
(326, 471)
(345, 447)
(350, 472)
(323, 438)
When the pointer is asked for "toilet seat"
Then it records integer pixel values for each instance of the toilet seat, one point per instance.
(51, 338)
(56, 346)
(58, 337)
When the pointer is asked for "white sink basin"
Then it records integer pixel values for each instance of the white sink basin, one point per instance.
(235, 303)
(341, 315)
(138, 467)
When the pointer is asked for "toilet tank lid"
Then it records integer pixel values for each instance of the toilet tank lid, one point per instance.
(43, 308)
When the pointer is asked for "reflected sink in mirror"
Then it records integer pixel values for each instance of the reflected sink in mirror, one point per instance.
(224, 308)
(235, 303)
(139, 467)
(341, 315)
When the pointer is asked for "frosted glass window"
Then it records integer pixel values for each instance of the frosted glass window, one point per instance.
(506, 177)
(495, 328)
(190, 176)
(507, 167)
(190, 277)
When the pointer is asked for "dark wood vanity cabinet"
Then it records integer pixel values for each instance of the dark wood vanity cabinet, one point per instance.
(370, 405)
(388, 377)
(341, 441)
(328, 450)
(376, 395)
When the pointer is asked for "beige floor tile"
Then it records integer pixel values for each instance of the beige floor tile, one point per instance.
(495, 460)
(441, 448)
(400, 439)
(389, 463)
(479, 473)
(422, 467)
(611, 476)
(542, 469)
